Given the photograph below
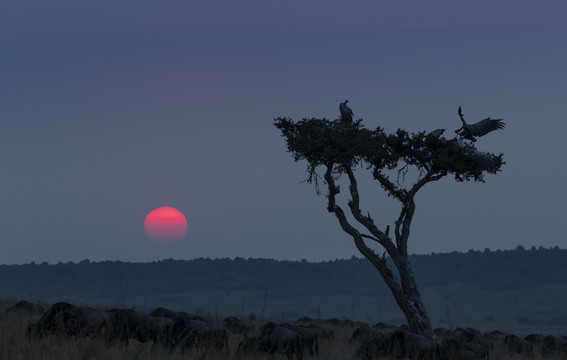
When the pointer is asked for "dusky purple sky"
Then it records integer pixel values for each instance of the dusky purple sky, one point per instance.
(110, 109)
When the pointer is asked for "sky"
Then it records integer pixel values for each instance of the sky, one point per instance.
(110, 109)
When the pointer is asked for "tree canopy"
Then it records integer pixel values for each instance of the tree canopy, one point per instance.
(340, 144)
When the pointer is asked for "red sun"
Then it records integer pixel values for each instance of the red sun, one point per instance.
(165, 225)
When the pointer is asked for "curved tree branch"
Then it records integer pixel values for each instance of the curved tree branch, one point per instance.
(391, 188)
(366, 221)
(379, 262)
(366, 236)
(408, 210)
(398, 224)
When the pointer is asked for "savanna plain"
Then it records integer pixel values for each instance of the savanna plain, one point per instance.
(338, 339)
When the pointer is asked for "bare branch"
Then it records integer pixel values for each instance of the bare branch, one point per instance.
(366, 221)
(402, 242)
(370, 237)
(392, 189)
(398, 224)
(406, 215)
(402, 171)
(424, 180)
(313, 178)
(333, 189)
(380, 264)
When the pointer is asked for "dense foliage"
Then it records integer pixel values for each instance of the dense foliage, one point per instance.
(338, 143)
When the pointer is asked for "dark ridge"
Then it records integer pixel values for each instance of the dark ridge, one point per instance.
(511, 269)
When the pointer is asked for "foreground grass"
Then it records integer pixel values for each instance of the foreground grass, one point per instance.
(15, 344)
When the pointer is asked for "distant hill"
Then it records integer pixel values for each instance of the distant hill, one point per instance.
(292, 288)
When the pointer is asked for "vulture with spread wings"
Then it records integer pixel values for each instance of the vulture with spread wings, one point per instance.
(483, 127)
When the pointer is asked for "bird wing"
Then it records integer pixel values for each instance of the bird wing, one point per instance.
(485, 126)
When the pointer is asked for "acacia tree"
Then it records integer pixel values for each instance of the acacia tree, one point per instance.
(337, 148)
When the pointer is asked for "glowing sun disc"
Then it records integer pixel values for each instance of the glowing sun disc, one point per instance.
(165, 225)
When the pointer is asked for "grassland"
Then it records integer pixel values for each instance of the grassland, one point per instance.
(15, 344)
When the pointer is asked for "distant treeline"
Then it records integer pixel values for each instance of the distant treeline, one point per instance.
(494, 270)
(510, 269)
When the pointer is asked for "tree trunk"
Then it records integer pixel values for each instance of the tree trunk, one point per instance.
(409, 301)
(407, 295)
(405, 289)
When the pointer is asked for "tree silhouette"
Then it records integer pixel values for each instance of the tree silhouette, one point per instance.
(338, 148)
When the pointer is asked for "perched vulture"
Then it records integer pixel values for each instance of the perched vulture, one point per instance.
(437, 133)
(483, 127)
(346, 112)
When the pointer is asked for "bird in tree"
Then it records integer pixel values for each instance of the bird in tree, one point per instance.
(346, 112)
(437, 133)
(483, 127)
